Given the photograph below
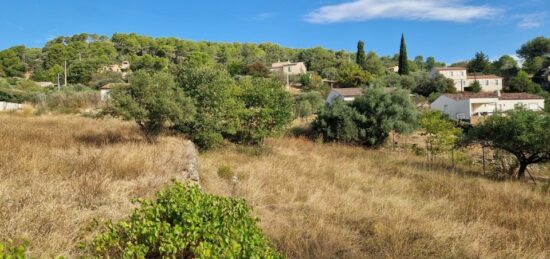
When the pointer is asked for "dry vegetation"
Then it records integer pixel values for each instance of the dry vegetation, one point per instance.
(61, 174)
(331, 201)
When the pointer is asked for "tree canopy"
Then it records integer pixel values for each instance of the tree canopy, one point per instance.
(520, 132)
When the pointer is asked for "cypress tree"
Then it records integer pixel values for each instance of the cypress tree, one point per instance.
(361, 58)
(403, 59)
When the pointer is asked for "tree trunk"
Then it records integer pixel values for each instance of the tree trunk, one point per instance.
(522, 169)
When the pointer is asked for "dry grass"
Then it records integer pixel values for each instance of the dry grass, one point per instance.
(332, 201)
(60, 174)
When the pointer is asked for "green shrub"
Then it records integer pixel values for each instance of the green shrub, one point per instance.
(338, 122)
(225, 172)
(152, 101)
(184, 222)
(207, 139)
(309, 103)
(368, 120)
(9, 250)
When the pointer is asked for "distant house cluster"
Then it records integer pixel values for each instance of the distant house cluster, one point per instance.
(462, 80)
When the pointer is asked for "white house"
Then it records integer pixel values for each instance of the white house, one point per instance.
(7, 106)
(344, 94)
(488, 83)
(474, 106)
(289, 68)
(106, 90)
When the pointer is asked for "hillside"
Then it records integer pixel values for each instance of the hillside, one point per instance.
(334, 201)
(62, 175)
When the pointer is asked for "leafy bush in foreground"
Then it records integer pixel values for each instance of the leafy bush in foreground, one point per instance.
(184, 222)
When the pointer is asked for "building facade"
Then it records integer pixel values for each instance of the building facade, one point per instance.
(461, 78)
(474, 106)
(289, 68)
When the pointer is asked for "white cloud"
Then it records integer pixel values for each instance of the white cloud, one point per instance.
(530, 21)
(434, 10)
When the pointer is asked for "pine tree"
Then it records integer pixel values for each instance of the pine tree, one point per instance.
(403, 59)
(361, 58)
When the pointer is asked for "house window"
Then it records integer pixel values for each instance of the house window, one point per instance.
(486, 82)
(462, 73)
(496, 81)
(289, 70)
(451, 73)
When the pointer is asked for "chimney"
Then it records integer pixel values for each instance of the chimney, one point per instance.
(499, 94)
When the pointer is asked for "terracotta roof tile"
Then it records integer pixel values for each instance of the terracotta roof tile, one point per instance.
(449, 68)
(484, 77)
(503, 96)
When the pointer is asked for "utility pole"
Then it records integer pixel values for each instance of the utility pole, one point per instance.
(65, 74)
(58, 83)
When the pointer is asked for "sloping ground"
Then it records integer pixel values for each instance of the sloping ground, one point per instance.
(333, 201)
(61, 174)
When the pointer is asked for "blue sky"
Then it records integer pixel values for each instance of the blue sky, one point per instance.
(450, 30)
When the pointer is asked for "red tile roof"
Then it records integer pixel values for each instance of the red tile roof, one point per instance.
(484, 77)
(503, 96)
(449, 68)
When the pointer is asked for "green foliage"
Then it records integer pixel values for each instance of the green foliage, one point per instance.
(244, 111)
(311, 82)
(361, 58)
(148, 63)
(10, 250)
(152, 101)
(520, 132)
(267, 108)
(475, 87)
(257, 69)
(184, 222)
(436, 84)
(479, 64)
(339, 122)
(523, 83)
(11, 63)
(214, 93)
(505, 66)
(225, 172)
(368, 120)
(351, 75)
(309, 103)
(536, 47)
(441, 133)
(403, 58)
(373, 65)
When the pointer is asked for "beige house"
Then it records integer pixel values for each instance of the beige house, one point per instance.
(289, 68)
(393, 69)
(475, 106)
(125, 65)
(488, 83)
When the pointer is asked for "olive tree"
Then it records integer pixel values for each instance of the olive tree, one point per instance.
(369, 119)
(520, 132)
(152, 101)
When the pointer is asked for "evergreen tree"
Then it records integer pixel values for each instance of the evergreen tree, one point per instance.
(403, 59)
(361, 58)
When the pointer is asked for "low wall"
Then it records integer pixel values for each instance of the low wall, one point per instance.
(6, 106)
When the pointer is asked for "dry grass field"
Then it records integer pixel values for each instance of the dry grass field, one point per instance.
(332, 201)
(62, 174)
